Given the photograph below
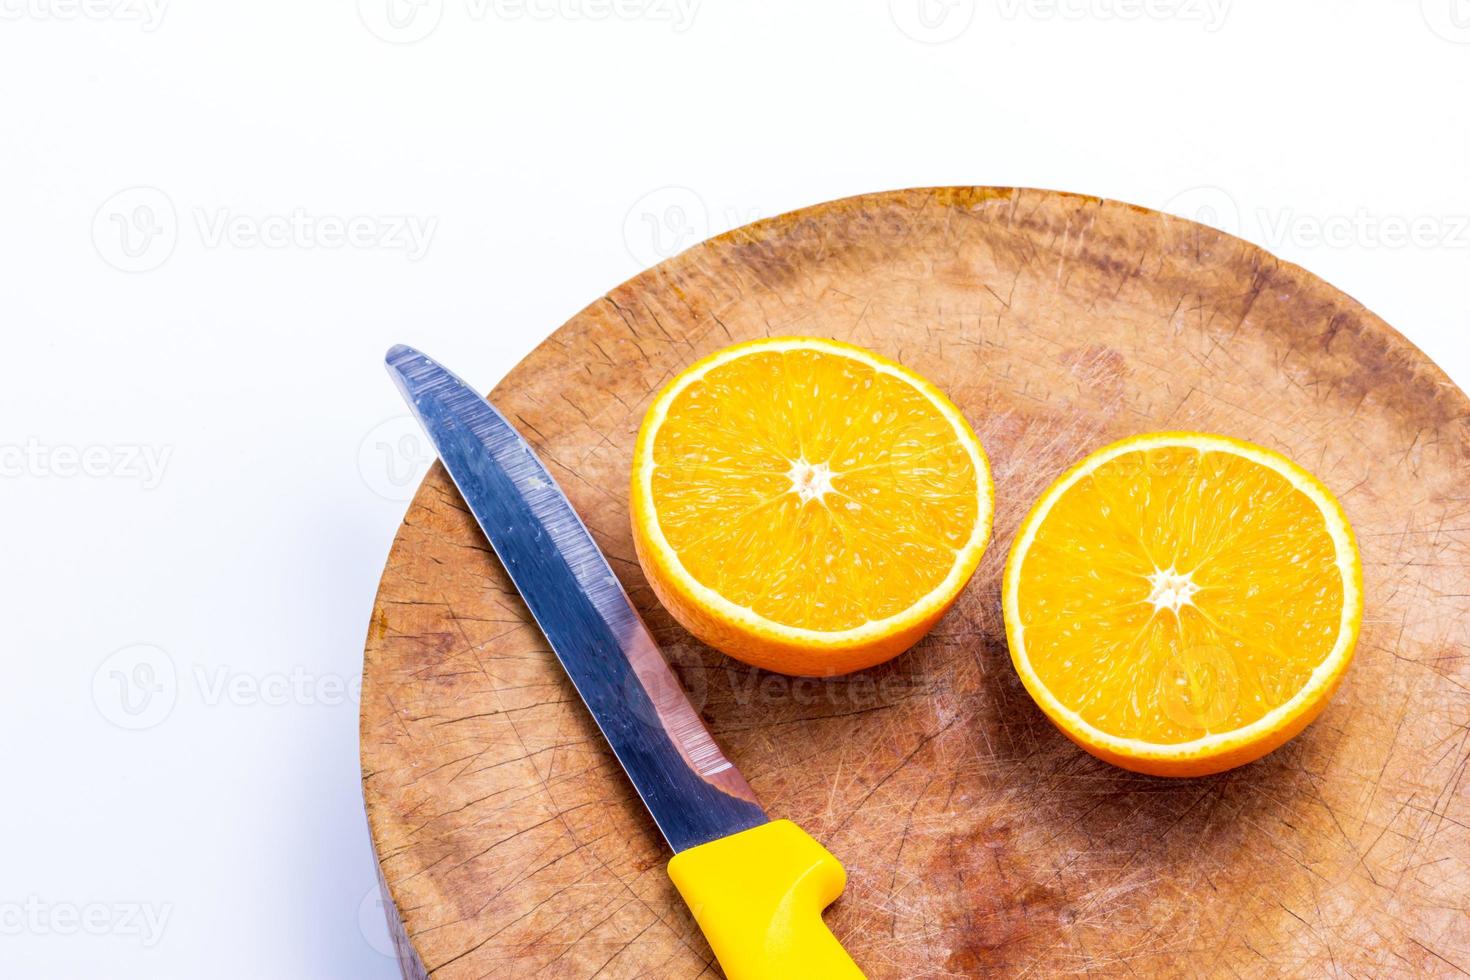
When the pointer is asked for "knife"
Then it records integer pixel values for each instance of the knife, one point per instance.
(756, 886)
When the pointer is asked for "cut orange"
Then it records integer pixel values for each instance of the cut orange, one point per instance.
(807, 506)
(1180, 604)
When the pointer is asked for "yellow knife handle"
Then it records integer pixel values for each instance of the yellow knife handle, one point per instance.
(758, 897)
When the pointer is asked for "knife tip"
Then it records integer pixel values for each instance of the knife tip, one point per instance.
(399, 356)
(398, 352)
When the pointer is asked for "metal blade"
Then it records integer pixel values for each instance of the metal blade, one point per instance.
(694, 793)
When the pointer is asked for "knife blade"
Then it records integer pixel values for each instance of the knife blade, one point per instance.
(694, 793)
(755, 886)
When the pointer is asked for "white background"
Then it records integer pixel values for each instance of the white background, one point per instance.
(204, 463)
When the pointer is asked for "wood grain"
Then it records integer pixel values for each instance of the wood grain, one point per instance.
(978, 840)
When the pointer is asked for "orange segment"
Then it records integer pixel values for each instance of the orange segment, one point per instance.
(1182, 603)
(806, 505)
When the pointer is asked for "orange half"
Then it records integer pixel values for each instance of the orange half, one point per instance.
(1181, 603)
(807, 506)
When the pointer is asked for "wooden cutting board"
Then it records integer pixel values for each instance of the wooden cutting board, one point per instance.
(977, 839)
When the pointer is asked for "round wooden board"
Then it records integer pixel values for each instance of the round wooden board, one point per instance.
(977, 839)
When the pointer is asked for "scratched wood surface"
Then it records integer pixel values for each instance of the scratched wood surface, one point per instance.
(977, 839)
